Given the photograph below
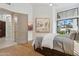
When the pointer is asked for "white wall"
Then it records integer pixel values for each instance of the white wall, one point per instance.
(44, 11)
(30, 35)
(54, 19)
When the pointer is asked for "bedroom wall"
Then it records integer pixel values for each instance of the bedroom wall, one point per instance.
(44, 11)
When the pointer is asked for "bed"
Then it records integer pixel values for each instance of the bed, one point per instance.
(66, 44)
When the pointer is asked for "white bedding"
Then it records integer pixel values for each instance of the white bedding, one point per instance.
(48, 41)
(76, 48)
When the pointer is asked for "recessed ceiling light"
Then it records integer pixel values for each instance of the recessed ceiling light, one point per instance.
(50, 4)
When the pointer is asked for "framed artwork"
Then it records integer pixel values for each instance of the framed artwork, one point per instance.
(42, 25)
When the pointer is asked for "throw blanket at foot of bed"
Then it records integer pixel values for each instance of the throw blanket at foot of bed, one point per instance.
(63, 44)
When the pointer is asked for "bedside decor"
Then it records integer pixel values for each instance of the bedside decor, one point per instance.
(30, 26)
(42, 25)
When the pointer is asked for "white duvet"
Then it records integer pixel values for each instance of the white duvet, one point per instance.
(48, 41)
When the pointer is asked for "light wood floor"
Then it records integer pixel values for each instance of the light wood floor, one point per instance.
(19, 50)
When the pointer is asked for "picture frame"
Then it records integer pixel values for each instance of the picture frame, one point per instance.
(42, 25)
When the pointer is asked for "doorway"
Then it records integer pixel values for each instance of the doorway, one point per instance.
(21, 28)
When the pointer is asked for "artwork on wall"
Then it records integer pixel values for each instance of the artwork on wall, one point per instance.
(42, 25)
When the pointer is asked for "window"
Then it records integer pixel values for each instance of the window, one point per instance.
(67, 21)
(68, 13)
(65, 26)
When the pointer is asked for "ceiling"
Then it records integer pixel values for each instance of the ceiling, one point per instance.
(59, 6)
(65, 6)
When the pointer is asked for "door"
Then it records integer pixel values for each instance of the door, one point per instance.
(21, 30)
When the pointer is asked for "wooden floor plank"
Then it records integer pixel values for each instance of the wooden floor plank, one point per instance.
(19, 50)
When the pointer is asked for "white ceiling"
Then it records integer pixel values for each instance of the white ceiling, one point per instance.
(59, 6)
(65, 6)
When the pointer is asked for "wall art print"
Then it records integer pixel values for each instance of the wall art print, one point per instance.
(42, 25)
